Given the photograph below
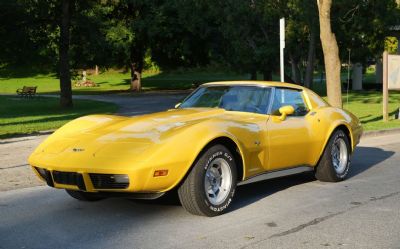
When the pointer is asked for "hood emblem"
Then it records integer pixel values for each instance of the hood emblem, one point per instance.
(78, 149)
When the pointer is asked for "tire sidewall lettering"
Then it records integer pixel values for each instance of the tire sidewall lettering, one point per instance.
(229, 158)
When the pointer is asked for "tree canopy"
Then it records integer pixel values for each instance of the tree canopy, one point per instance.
(240, 35)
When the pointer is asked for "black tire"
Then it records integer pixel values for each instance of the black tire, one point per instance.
(192, 193)
(325, 170)
(84, 196)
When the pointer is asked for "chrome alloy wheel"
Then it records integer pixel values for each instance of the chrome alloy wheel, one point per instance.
(218, 181)
(339, 155)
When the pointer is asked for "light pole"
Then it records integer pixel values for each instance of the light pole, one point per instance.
(282, 47)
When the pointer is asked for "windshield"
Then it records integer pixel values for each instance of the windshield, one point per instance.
(231, 98)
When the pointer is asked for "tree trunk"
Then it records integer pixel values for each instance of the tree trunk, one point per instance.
(65, 76)
(331, 54)
(296, 77)
(136, 66)
(136, 78)
(309, 77)
(96, 70)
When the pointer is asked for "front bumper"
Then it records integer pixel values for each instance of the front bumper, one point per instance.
(92, 182)
(112, 179)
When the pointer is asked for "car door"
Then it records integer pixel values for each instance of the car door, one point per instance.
(289, 140)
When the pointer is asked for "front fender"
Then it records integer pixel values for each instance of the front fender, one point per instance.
(332, 118)
(179, 152)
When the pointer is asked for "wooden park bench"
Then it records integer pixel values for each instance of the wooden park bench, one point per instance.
(27, 91)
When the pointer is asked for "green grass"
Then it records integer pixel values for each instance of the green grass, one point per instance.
(115, 81)
(367, 106)
(26, 116)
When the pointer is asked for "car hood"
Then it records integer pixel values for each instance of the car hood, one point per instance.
(161, 122)
(108, 136)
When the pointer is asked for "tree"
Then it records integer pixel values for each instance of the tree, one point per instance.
(250, 35)
(301, 32)
(362, 26)
(331, 54)
(65, 75)
(129, 23)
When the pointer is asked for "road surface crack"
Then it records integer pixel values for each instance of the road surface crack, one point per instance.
(321, 219)
(302, 226)
(15, 166)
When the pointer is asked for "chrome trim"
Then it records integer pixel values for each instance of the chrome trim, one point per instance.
(276, 174)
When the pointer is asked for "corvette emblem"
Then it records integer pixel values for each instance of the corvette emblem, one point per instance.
(78, 149)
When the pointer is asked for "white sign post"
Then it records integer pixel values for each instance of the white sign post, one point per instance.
(385, 90)
(282, 46)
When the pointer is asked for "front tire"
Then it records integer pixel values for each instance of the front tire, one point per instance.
(83, 196)
(210, 186)
(335, 161)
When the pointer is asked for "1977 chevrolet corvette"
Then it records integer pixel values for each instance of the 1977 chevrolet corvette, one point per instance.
(221, 135)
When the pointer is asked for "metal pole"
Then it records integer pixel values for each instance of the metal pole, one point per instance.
(385, 86)
(282, 47)
(348, 79)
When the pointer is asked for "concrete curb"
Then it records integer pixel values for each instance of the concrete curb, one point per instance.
(18, 136)
(381, 132)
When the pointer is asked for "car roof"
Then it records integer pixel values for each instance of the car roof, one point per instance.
(254, 82)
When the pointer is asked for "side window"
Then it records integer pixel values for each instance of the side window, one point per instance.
(291, 97)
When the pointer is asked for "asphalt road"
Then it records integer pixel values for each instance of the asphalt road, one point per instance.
(290, 212)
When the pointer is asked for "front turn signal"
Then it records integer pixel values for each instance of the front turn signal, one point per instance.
(161, 172)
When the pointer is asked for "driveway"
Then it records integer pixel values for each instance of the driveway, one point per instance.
(136, 104)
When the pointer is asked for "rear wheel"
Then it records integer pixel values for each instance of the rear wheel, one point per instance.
(335, 161)
(84, 196)
(210, 186)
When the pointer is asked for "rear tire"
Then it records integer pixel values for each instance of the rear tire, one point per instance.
(84, 196)
(210, 186)
(335, 161)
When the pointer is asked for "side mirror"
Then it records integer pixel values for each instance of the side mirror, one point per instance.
(177, 105)
(286, 111)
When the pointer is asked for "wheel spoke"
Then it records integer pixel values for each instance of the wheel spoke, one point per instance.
(339, 155)
(218, 181)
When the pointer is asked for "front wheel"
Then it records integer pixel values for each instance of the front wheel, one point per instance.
(210, 186)
(335, 161)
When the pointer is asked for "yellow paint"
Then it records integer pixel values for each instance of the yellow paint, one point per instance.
(171, 140)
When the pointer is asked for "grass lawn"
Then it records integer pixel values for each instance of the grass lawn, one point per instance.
(25, 116)
(115, 81)
(367, 106)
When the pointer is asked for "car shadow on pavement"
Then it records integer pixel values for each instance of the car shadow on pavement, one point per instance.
(367, 157)
(250, 193)
(363, 159)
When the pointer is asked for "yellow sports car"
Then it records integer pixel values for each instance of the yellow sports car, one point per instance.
(221, 135)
